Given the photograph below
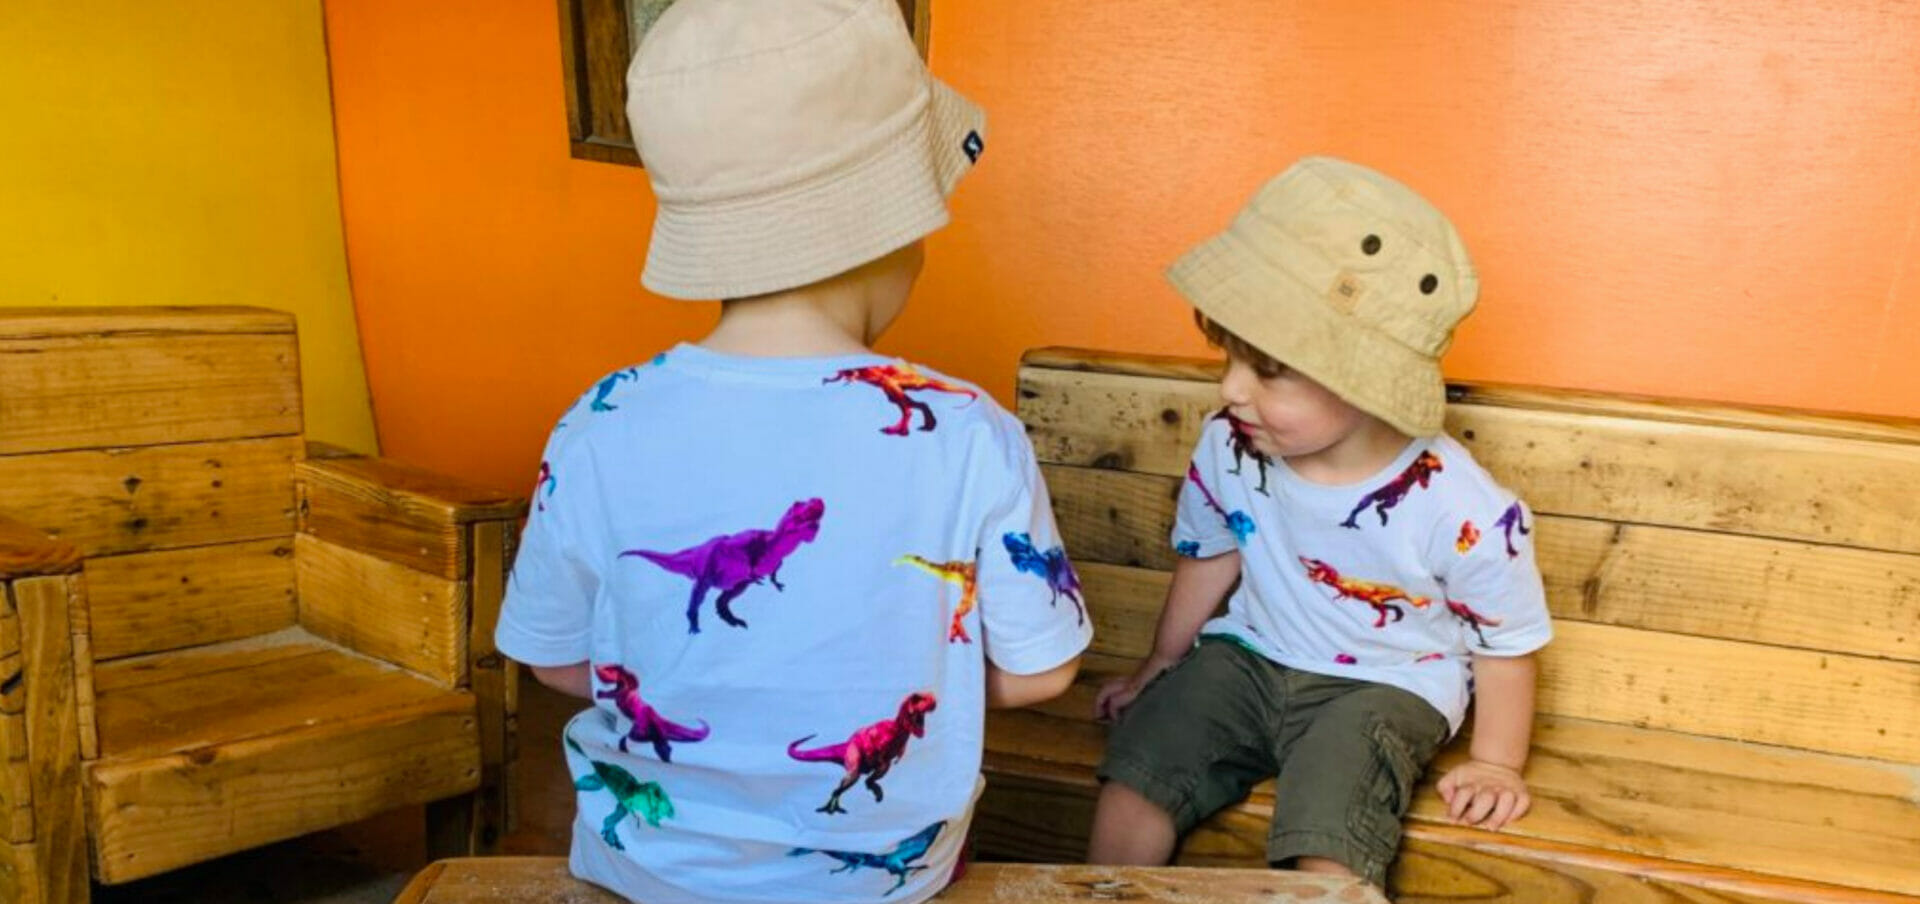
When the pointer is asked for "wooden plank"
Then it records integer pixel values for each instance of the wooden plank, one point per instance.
(53, 743)
(83, 392)
(381, 609)
(152, 815)
(488, 675)
(403, 514)
(1794, 486)
(27, 551)
(208, 706)
(80, 619)
(111, 501)
(174, 665)
(1778, 592)
(16, 772)
(148, 602)
(40, 322)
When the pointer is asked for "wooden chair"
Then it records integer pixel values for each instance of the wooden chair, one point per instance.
(212, 639)
(1730, 710)
(514, 880)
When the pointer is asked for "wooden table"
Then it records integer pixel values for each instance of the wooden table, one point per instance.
(514, 880)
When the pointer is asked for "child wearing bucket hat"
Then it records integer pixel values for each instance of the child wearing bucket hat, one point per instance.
(789, 573)
(1376, 572)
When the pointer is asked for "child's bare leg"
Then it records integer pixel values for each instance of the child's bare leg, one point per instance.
(1129, 830)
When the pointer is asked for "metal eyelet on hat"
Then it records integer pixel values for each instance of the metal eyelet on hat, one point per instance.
(1370, 245)
(1429, 283)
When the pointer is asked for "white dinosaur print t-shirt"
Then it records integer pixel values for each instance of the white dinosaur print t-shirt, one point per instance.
(1400, 579)
(788, 576)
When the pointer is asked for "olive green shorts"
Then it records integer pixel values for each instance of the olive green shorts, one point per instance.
(1345, 753)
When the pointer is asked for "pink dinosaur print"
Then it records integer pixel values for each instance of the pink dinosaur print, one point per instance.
(1430, 657)
(738, 561)
(1372, 593)
(1514, 518)
(648, 724)
(963, 573)
(1346, 659)
(896, 381)
(1240, 442)
(871, 751)
(1420, 474)
(1473, 619)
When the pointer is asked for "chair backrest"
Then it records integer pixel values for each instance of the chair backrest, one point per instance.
(1735, 573)
(161, 443)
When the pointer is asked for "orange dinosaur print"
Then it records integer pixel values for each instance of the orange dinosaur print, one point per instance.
(896, 381)
(1372, 593)
(1469, 535)
(965, 574)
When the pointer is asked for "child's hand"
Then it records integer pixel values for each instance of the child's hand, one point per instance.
(1118, 693)
(1486, 795)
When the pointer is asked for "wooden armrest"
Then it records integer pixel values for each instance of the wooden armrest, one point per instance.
(27, 551)
(404, 514)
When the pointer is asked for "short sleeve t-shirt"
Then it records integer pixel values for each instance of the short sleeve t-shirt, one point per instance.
(1399, 579)
(788, 576)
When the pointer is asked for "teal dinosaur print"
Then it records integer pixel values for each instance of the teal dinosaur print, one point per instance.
(606, 387)
(631, 796)
(899, 861)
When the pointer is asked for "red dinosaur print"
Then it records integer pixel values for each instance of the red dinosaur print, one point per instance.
(965, 574)
(1420, 474)
(737, 561)
(1473, 619)
(1240, 442)
(1345, 659)
(896, 381)
(871, 751)
(1373, 594)
(648, 724)
(1469, 535)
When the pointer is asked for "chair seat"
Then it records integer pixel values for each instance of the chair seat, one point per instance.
(1602, 789)
(220, 748)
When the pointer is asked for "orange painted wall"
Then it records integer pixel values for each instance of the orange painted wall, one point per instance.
(1709, 199)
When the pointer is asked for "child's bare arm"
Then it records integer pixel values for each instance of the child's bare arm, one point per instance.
(1006, 690)
(573, 680)
(1196, 591)
(1487, 790)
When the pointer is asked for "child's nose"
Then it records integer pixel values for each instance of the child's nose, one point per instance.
(1234, 389)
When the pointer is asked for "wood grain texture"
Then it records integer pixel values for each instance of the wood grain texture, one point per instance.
(407, 515)
(49, 322)
(148, 602)
(27, 551)
(382, 609)
(53, 737)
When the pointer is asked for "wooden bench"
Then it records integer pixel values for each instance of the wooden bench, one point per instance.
(518, 880)
(1730, 710)
(211, 639)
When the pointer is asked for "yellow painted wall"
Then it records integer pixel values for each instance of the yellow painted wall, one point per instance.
(180, 153)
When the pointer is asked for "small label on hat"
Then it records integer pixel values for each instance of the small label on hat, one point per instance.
(974, 146)
(1345, 292)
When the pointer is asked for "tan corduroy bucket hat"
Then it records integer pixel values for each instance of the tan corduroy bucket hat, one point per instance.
(789, 141)
(1347, 276)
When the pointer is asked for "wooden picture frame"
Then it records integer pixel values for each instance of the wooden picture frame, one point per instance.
(597, 39)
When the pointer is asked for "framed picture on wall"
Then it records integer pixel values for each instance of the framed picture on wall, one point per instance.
(597, 39)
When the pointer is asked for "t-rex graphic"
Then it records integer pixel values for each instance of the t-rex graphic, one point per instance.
(1373, 594)
(545, 486)
(738, 561)
(898, 861)
(966, 575)
(1473, 619)
(1050, 566)
(1240, 442)
(896, 381)
(1239, 522)
(1420, 474)
(648, 724)
(1514, 518)
(606, 387)
(631, 797)
(871, 751)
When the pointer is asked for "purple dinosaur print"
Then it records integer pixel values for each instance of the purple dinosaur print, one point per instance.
(1050, 566)
(871, 751)
(1240, 442)
(648, 724)
(545, 486)
(1420, 474)
(1514, 518)
(738, 561)
(1240, 523)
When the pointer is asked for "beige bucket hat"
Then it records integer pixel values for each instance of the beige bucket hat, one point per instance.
(789, 141)
(1346, 275)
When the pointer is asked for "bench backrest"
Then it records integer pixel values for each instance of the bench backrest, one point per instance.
(161, 443)
(1727, 572)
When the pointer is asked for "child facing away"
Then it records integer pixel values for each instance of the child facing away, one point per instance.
(1383, 578)
(790, 573)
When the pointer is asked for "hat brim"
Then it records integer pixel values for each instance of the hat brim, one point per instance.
(824, 225)
(1282, 316)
